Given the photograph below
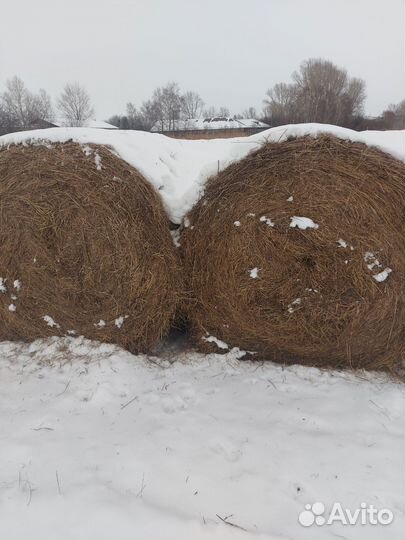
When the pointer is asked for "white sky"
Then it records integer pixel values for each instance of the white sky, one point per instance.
(230, 51)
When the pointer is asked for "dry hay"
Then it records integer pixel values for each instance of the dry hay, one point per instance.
(85, 248)
(301, 295)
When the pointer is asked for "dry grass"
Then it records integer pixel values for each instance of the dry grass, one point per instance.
(344, 318)
(87, 243)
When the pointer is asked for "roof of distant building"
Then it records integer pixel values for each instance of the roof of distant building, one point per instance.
(218, 122)
(99, 124)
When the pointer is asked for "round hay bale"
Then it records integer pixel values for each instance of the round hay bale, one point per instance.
(85, 248)
(296, 253)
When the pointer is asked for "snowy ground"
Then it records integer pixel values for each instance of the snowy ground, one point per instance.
(98, 443)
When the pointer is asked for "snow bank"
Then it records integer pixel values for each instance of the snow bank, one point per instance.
(179, 168)
(97, 443)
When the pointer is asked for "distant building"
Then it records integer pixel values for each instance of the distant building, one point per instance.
(98, 124)
(44, 124)
(210, 128)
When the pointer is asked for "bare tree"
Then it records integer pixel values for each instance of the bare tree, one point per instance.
(399, 108)
(142, 119)
(43, 105)
(74, 105)
(320, 85)
(395, 116)
(21, 108)
(356, 93)
(17, 102)
(5, 121)
(320, 92)
(249, 113)
(164, 110)
(191, 105)
(210, 112)
(166, 104)
(150, 113)
(224, 112)
(139, 119)
(280, 104)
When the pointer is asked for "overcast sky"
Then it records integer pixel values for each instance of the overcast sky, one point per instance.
(230, 51)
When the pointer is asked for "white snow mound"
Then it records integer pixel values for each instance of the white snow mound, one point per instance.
(179, 168)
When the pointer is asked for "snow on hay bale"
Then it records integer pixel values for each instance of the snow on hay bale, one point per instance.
(85, 248)
(297, 254)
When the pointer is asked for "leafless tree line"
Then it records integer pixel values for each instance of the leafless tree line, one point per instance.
(19, 107)
(395, 116)
(167, 105)
(22, 109)
(319, 91)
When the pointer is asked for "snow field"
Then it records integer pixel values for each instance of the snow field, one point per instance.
(98, 443)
